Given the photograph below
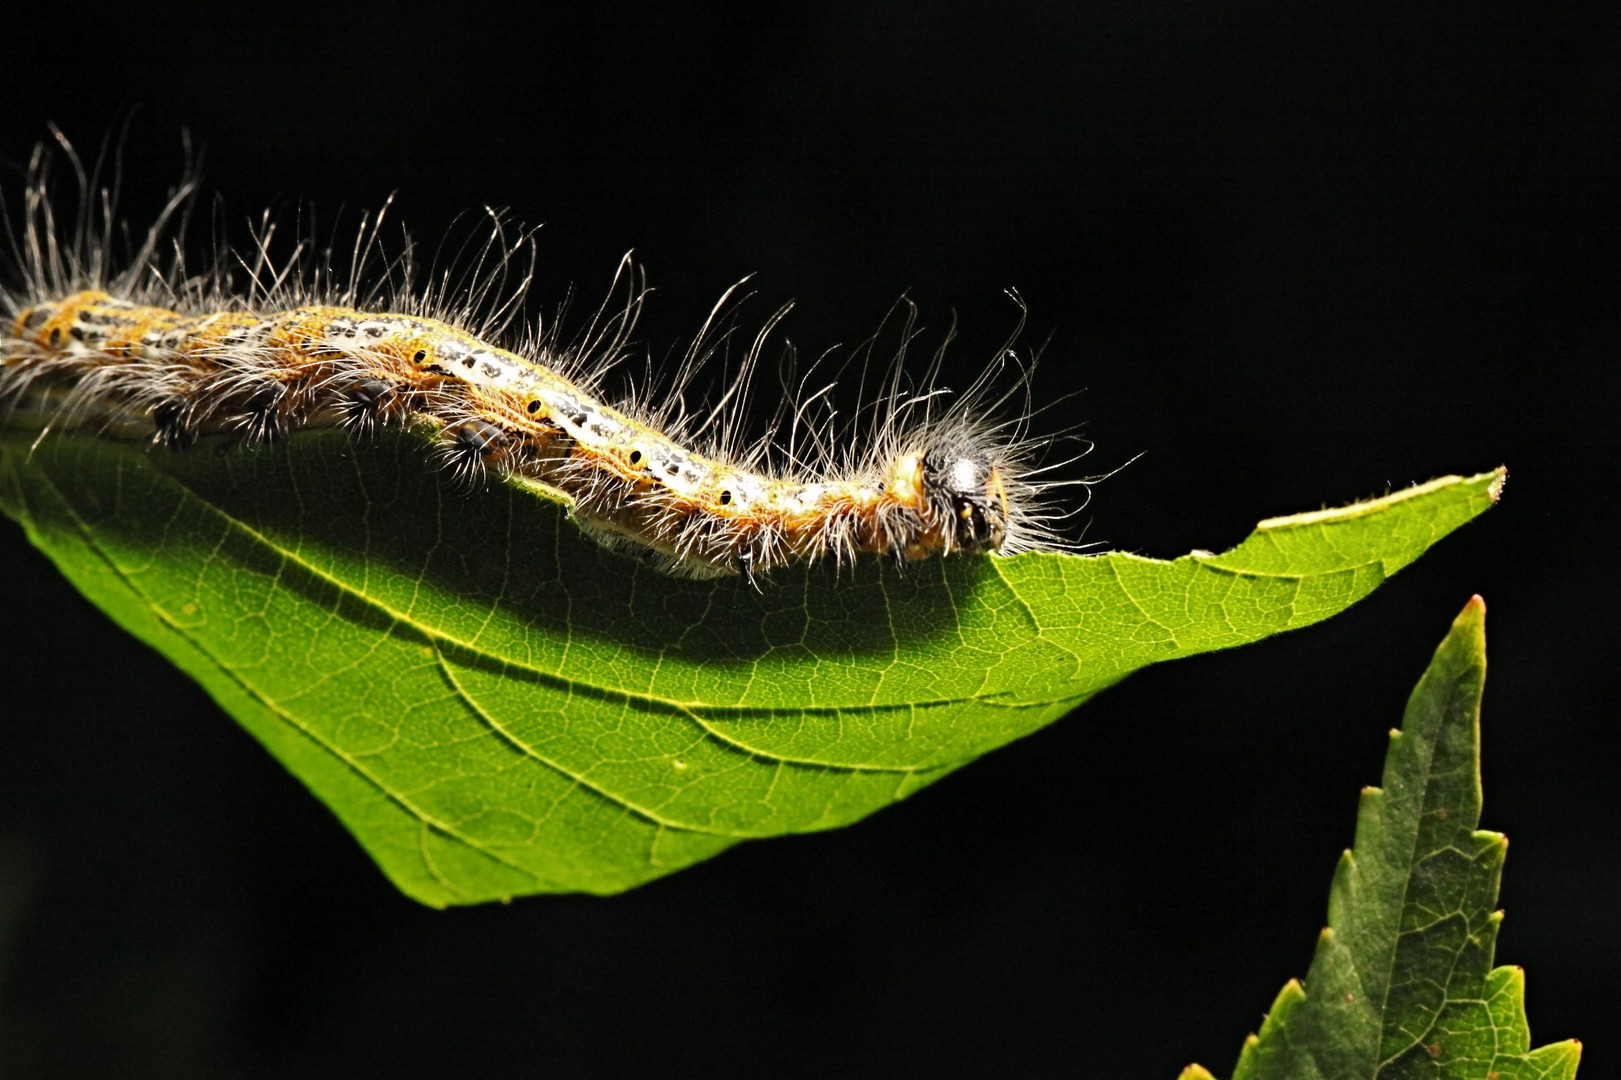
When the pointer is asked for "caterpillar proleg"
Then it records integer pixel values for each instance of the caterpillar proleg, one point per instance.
(256, 347)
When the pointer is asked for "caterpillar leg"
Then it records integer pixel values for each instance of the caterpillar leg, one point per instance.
(467, 447)
(176, 423)
(368, 404)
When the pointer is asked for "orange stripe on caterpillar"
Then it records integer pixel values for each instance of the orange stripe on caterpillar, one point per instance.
(262, 375)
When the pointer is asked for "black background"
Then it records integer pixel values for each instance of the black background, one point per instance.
(1291, 257)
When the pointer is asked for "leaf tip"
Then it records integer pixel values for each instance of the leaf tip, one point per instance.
(1471, 622)
(1500, 480)
(1292, 995)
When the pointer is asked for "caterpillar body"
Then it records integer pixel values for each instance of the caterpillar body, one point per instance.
(181, 356)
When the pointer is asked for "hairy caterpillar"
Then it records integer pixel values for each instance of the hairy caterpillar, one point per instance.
(152, 349)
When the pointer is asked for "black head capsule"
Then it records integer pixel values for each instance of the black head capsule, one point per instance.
(965, 493)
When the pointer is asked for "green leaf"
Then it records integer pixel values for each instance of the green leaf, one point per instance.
(1402, 983)
(496, 706)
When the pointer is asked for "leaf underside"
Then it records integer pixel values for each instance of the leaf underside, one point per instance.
(1402, 983)
(495, 706)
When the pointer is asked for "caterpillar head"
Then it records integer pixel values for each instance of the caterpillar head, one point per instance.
(965, 492)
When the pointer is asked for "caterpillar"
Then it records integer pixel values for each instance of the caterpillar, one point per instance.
(255, 348)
